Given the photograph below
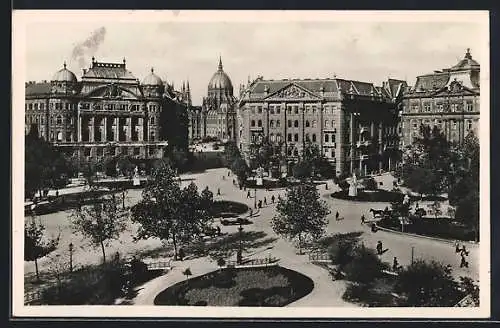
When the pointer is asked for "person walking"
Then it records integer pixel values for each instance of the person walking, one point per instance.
(395, 265)
(272, 199)
(337, 216)
(463, 261)
(218, 231)
(265, 201)
(363, 219)
(218, 191)
(248, 194)
(379, 247)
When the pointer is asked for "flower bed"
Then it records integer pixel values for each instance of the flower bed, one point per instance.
(229, 208)
(271, 286)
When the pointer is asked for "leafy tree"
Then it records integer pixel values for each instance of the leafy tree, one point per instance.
(241, 169)
(230, 153)
(436, 208)
(302, 170)
(468, 212)
(220, 263)
(370, 184)
(168, 212)
(427, 284)
(301, 213)
(45, 165)
(36, 245)
(423, 180)
(99, 222)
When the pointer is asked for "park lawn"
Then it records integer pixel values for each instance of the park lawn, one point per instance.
(271, 286)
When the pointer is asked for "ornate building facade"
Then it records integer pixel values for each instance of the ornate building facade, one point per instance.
(217, 116)
(448, 99)
(107, 112)
(353, 123)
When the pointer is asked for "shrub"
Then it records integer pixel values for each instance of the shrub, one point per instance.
(343, 184)
(370, 184)
(364, 267)
(341, 251)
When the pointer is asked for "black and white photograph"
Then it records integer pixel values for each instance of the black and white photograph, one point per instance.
(251, 164)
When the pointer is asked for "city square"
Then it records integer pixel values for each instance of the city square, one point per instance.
(340, 191)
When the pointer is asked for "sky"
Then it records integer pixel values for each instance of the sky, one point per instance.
(368, 51)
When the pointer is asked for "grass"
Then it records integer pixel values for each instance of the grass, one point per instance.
(432, 227)
(271, 286)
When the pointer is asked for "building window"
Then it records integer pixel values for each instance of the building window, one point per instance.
(271, 109)
(296, 109)
(59, 119)
(137, 151)
(469, 124)
(252, 123)
(259, 109)
(314, 108)
(454, 125)
(306, 108)
(440, 107)
(414, 108)
(333, 152)
(296, 124)
(278, 123)
(296, 137)
(289, 123)
(289, 109)
(278, 109)
(307, 137)
(469, 106)
(327, 138)
(152, 136)
(415, 125)
(252, 109)
(427, 107)
(30, 106)
(36, 106)
(66, 105)
(289, 137)
(307, 123)
(271, 123)
(278, 137)
(152, 151)
(87, 152)
(314, 123)
(326, 123)
(259, 123)
(295, 152)
(314, 137)
(152, 120)
(333, 138)
(454, 107)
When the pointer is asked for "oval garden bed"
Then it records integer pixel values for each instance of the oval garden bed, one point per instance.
(229, 208)
(379, 195)
(270, 286)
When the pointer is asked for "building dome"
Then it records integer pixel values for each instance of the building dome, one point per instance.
(152, 79)
(64, 75)
(466, 63)
(220, 80)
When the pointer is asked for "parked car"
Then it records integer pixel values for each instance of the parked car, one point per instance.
(235, 221)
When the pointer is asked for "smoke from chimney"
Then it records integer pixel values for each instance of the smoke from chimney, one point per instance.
(87, 48)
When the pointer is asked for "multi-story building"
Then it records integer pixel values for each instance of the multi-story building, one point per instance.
(353, 123)
(447, 99)
(217, 116)
(107, 112)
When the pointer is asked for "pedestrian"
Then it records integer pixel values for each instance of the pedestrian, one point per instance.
(457, 248)
(248, 194)
(395, 264)
(363, 219)
(279, 197)
(265, 201)
(181, 254)
(463, 261)
(416, 205)
(223, 177)
(218, 231)
(379, 247)
(218, 191)
(251, 212)
(57, 193)
(464, 251)
(234, 182)
(272, 199)
(337, 216)
(228, 173)
(260, 203)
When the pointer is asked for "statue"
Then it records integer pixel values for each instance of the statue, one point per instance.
(353, 187)
(406, 199)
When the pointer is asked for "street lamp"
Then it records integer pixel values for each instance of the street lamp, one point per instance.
(240, 250)
(70, 257)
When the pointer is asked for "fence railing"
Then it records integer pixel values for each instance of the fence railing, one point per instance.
(323, 257)
(159, 265)
(250, 262)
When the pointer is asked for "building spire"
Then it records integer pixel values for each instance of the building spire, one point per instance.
(64, 64)
(467, 54)
(220, 63)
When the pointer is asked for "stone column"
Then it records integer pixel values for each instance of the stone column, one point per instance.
(79, 127)
(105, 130)
(380, 145)
(91, 129)
(117, 129)
(129, 129)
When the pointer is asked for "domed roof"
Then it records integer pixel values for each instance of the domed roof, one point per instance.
(152, 79)
(64, 75)
(220, 80)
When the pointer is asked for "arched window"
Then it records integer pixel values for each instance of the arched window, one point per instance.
(271, 123)
(271, 137)
(59, 136)
(296, 137)
(259, 123)
(314, 123)
(307, 137)
(252, 123)
(326, 123)
(152, 120)
(295, 152)
(59, 119)
(327, 138)
(278, 137)
(296, 123)
(333, 123)
(278, 123)
(307, 124)
(314, 137)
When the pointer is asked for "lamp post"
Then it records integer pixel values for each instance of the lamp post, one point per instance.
(240, 250)
(70, 257)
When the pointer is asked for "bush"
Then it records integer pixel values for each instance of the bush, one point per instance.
(343, 184)
(370, 184)
(341, 252)
(365, 266)
(369, 296)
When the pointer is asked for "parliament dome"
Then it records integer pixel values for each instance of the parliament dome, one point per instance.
(220, 80)
(64, 75)
(152, 79)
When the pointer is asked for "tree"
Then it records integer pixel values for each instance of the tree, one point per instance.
(99, 222)
(301, 213)
(36, 245)
(241, 169)
(168, 212)
(220, 263)
(422, 180)
(427, 284)
(365, 266)
(45, 166)
(302, 170)
(468, 212)
(370, 184)
(436, 208)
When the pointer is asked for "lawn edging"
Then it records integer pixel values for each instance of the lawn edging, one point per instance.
(449, 241)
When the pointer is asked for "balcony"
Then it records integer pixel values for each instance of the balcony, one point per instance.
(365, 143)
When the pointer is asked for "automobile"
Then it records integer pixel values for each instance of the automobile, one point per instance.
(235, 221)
